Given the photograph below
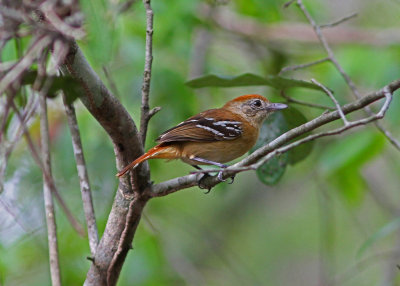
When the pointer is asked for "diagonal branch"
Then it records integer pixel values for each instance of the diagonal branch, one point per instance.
(346, 77)
(302, 66)
(329, 93)
(340, 21)
(184, 182)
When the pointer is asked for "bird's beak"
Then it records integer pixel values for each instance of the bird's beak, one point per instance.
(276, 106)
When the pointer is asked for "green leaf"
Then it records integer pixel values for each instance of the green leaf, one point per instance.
(274, 126)
(383, 232)
(249, 79)
(272, 171)
(71, 87)
(293, 119)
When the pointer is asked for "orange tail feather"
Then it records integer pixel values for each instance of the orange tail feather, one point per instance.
(155, 152)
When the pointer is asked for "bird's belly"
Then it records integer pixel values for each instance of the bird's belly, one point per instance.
(214, 151)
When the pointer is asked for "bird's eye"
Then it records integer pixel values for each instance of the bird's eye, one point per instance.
(257, 103)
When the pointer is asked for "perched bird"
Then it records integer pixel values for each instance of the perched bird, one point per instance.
(214, 136)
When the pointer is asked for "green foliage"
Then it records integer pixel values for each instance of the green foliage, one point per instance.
(249, 79)
(275, 125)
(71, 87)
(342, 161)
(272, 171)
(294, 118)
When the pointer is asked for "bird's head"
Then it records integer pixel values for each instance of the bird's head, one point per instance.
(255, 108)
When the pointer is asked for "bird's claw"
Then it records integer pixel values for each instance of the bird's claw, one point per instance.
(219, 176)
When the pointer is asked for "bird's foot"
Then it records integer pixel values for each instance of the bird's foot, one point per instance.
(232, 180)
(219, 176)
(202, 185)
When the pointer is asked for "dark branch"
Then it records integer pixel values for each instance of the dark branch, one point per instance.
(117, 122)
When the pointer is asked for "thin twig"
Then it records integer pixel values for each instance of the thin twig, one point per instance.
(346, 77)
(145, 116)
(24, 63)
(329, 93)
(309, 104)
(59, 24)
(338, 22)
(387, 134)
(48, 198)
(302, 66)
(83, 176)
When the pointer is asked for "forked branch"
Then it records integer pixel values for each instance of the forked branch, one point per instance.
(262, 154)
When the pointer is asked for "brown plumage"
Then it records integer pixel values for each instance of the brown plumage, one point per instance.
(214, 136)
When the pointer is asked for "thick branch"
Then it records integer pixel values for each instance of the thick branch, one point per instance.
(184, 182)
(117, 122)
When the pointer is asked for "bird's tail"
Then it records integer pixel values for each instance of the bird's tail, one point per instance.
(163, 152)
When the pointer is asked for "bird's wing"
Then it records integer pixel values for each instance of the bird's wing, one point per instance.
(210, 125)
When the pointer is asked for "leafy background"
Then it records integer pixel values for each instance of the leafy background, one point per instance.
(321, 217)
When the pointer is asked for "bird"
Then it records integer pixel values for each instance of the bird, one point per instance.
(215, 136)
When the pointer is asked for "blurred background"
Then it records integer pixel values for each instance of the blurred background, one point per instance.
(332, 219)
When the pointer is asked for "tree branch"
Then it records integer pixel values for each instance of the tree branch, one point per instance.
(116, 121)
(302, 66)
(340, 21)
(329, 93)
(145, 114)
(253, 160)
(346, 77)
(48, 198)
(309, 104)
(83, 176)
